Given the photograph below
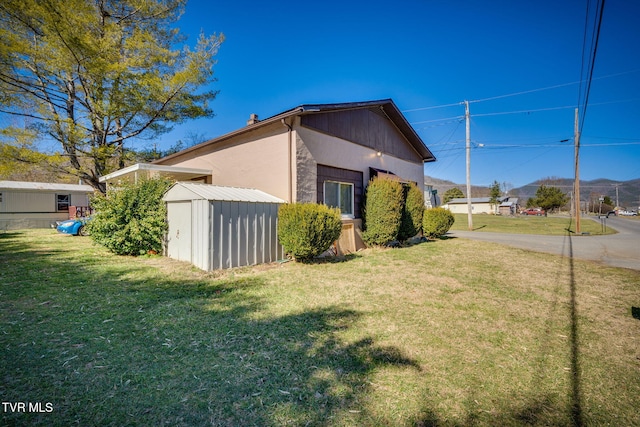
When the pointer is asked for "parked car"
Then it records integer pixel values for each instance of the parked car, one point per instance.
(534, 211)
(75, 227)
(628, 213)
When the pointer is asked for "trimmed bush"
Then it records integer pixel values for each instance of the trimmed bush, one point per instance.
(437, 222)
(412, 212)
(306, 230)
(131, 219)
(383, 211)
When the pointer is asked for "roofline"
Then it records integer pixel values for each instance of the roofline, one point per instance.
(248, 128)
(152, 167)
(45, 186)
(196, 188)
(398, 119)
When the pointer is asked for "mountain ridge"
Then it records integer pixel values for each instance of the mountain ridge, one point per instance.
(628, 191)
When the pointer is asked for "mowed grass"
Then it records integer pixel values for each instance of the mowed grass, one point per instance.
(523, 224)
(450, 332)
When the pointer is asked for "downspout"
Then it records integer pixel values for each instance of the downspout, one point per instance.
(289, 158)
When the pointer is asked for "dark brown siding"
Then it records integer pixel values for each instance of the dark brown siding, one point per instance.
(367, 127)
(328, 173)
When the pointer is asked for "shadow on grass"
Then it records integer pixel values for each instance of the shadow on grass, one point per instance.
(537, 407)
(109, 341)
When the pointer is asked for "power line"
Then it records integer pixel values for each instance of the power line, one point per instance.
(524, 92)
(431, 108)
(489, 146)
(592, 58)
(549, 108)
(452, 119)
(523, 111)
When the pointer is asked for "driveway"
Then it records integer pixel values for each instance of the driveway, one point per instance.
(617, 250)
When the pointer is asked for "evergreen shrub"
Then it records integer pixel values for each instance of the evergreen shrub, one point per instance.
(131, 218)
(412, 212)
(306, 230)
(437, 222)
(383, 211)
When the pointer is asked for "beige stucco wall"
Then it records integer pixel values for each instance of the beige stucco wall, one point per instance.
(256, 159)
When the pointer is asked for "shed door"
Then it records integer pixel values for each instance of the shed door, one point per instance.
(179, 235)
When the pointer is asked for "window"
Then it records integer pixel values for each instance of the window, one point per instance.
(339, 195)
(62, 202)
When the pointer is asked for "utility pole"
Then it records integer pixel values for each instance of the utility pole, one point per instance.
(576, 183)
(468, 149)
(617, 201)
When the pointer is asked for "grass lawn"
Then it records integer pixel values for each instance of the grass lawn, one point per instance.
(548, 225)
(450, 332)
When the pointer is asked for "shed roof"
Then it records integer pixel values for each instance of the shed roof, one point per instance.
(195, 191)
(510, 201)
(44, 186)
(473, 200)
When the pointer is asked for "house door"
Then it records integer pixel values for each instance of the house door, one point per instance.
(179, 234)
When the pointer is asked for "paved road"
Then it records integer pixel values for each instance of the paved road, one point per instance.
(618, 250)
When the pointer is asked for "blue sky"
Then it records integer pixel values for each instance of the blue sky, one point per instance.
(438, 53)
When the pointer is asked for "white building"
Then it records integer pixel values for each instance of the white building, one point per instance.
(38, 204)
(482, 205)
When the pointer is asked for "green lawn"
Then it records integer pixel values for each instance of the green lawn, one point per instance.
(548, 225)
(450, 332)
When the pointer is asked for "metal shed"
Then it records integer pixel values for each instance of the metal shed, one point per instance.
(216, 227)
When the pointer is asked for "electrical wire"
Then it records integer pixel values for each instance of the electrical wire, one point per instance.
(431, 108)
(438, 120)
(523, 111)
(592, 59)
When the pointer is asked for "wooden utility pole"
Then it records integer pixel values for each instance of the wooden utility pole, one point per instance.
(468, 149)
(576, 183)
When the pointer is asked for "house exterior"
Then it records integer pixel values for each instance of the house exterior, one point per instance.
(320, 153)
(39, 204)
(509, 206)
(482, 205)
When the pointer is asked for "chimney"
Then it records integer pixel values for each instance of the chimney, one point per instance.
(253, 119)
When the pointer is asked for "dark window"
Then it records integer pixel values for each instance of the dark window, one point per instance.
(62, 202)
(339, 195)
(344, 187)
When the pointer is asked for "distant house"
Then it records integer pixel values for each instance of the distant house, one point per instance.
(39, 204)
(482, 205)
(508, 206)
(319, 153)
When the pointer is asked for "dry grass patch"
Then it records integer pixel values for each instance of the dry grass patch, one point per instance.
(451, 332)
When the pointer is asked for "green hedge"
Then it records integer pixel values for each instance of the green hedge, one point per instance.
(437, 222)
(131, 219)
(306, 230)
(412, 212)
(383, 211)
